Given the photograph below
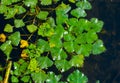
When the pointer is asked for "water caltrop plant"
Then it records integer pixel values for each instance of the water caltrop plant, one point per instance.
(50, 37)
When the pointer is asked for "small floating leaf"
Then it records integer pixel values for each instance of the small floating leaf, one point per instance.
(42, 45)
(39, 77)
(77, 77)
(62, 65)
(78, 12)
(98, 47)
(14, 79)
(30, 3)
(77, 60)
(52, 78)
(8, 28)
(15, 38)
(58, 53)
(44, 62)
(84, 4)
(20, 9)
(25, 79)
(96, 24)
(42, 15)
(6, 48)
(69, 46)
(31, 28)
(46, 2)
(19, 23)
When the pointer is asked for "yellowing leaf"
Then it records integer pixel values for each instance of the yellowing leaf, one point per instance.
(24, 44)
(2, 37)
(24, 54)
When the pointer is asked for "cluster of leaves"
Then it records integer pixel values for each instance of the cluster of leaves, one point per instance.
(63, 40)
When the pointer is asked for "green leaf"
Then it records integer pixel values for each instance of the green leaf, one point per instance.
(98, 47)
(84, 49)
(81, 39)
(96, 24)
(68, 37)
(62, 9)
(46, 2)
(6, 48)
(3, 9)
(43, 45)
(59, 31)
(8, 28)
(55, 1)
(31, 28)
(52, 78)
(55, 41)
(91, 36)
(58, 54)
(45, 30)
(39, 77)
(33, 64)
(19, 23)
(15, 38)
(20, 9)
(25, 79)
(21, 61)
(73, 21)
(6, 2)
(16, 69)
(31, 3)
(17, 72)
(1, 78)
(78, 12)
(62, 65)
(14, 79)
(69, 46)
(72, 1)
(23, 67)
(77, 77)
(62, 82)
(77, 60)
(51, 21)
(84, 24)
(10, 13)
(42, 15)
(14, 1)
(44, 62)
(16, 66)
(32, 10)
(84, 4)
(61, 18)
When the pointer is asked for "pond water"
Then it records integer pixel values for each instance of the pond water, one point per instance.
(106, 66)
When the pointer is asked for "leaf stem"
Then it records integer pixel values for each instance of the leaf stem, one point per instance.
(7, 72)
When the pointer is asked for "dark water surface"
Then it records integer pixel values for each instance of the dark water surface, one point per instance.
(106, 66)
